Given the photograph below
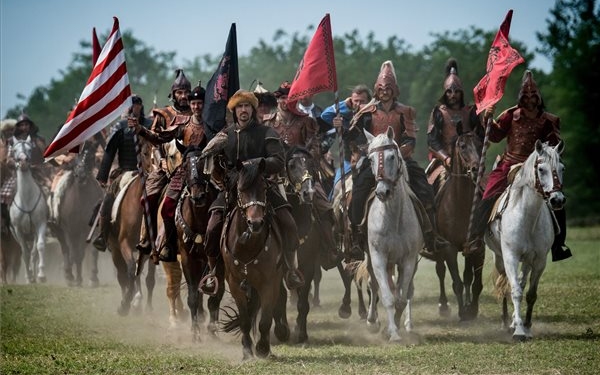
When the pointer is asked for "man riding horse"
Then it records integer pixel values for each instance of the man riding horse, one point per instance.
(300, 130)
(121, 142)
(449, 114)
(247, 139)
(168, 118)
(521, 125)
(192, 133)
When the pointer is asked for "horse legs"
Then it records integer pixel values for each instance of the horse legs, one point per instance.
(345, 309)
(511, 265)
(40, 245)
(531, 297)
(150, 283)
(66, 253)
(457, 285)
(214, 302)
(387, 296)
(303, 307)
(372, 316)
(473, 279)
(317, 284)
(282, 329)
(440, 270)
(173, 276)
(268, 307)
(27, 256)
(94, 281)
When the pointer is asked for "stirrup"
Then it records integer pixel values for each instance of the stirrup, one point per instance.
(144, 246)
(209, 284)
(561, 252)
(99, 243)
(166, 255)
(294, 279)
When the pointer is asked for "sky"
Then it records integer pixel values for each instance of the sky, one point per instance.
(39, 37)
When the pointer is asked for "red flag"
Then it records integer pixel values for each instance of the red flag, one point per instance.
(95, 47)
(316, 72)
(106, 95)
(502, 59)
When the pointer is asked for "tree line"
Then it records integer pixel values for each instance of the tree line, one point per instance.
(571, 41)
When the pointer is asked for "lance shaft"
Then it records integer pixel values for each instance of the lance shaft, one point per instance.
(480, 172)
(340, 132)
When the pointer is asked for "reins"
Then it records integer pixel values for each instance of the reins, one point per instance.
(380, 175)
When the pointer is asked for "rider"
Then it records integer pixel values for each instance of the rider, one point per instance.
(448, 117)
(521, 125)
(7, 130)
(247, 139)
(120, 141)
(191, 133)
(376, 118)
(301, 130)
(169, 117)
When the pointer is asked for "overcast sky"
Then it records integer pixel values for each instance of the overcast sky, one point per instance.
(39, 37)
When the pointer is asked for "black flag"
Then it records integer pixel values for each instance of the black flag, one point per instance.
(221, 87)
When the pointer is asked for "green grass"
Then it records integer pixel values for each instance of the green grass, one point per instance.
(52, 329)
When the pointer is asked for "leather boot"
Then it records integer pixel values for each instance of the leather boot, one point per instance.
(208, 283)
(169, 252)
(100, 243)
(480, 223)
(358, 240)
(293, 277)
(560, 251)
(145, 246)
(429, 251)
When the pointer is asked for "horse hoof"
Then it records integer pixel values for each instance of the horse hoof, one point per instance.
(345, 311)
(42, 279)
(519, 338)
(395, 338)
(373, 326)
(123, 311)
(444, 310)
(263, 350)
(94, 283)
(282, 332)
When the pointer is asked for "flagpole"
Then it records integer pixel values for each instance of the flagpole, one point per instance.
(340, 132)
(480, 172)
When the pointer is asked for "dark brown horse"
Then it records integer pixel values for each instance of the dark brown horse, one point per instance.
(123, 235)
(192, 217)
(454, 199)
(10, 251)
(252, 254)
(76, 193)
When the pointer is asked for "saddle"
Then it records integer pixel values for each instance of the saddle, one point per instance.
(502, 201)
(119, 187)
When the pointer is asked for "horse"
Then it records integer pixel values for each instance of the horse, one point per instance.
(74, 198)
(523, 232)
(299, 182)
(29, 213)
(191, 217)
(10, 251)
(453, 211)
(252, 254)
(394, 233)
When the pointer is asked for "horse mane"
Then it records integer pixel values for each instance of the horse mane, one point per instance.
(527, 173)
(293, 150)
(249, 176)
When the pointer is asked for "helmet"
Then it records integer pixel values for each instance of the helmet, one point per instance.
(529, 87)
(197, 93)
(136, 99)
(180, 83)
(264, 96)
(284, 89)
(387, 78)
(452, 80)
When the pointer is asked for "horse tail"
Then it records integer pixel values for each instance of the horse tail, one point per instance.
(501, 284)
(233, 321)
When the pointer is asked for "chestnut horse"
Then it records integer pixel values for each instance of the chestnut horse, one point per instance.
(453, 211)
(252, 254)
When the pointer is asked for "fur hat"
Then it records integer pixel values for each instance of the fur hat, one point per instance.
(8, 124)
(387, 78)
(242, 96)
(284, 89)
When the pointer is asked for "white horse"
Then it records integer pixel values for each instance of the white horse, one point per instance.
(524, 231)
(394, 232)
(29, 213)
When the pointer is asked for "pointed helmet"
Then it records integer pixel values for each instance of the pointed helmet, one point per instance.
(180, 83)
(529, 87)
(387, 78)
(452, 80)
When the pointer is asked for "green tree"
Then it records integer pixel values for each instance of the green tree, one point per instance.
(572, 42)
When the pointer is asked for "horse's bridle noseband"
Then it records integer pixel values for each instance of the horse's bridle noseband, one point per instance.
(380, 174)
(297, 186)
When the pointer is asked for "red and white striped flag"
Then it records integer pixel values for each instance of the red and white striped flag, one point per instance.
(106, 96)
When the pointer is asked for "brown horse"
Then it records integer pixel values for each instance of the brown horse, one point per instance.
(252, 254)
(191, 217)
(454, 199)
(74, 198)
(123, 235)
(10, 251)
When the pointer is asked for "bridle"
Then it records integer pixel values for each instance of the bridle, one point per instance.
(380, 172)
(556, 184)
(297, 185)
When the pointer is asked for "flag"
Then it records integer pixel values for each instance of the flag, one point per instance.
(221, 87)
(501, 61)
(316, 72)
(95, 47)
(106, 95)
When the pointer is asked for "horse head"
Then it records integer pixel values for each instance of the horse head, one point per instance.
(252, 193)
(549, 173)
(21, 151)
(386, 162)
(466, 154)
(85, 162)
(300, 172)
(196, 182)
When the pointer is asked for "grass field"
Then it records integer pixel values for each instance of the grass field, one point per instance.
(53, 329)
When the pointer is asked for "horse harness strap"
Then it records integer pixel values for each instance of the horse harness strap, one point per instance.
(380, 176)
(556, 185)
(188, 233)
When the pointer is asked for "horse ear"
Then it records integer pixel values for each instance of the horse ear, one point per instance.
(28, 140)
(239, 165)
(262, 164)
(180, 147)
(390, 133)
(368, 135)
(14, 139)
(539, 147)
(560, 147)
